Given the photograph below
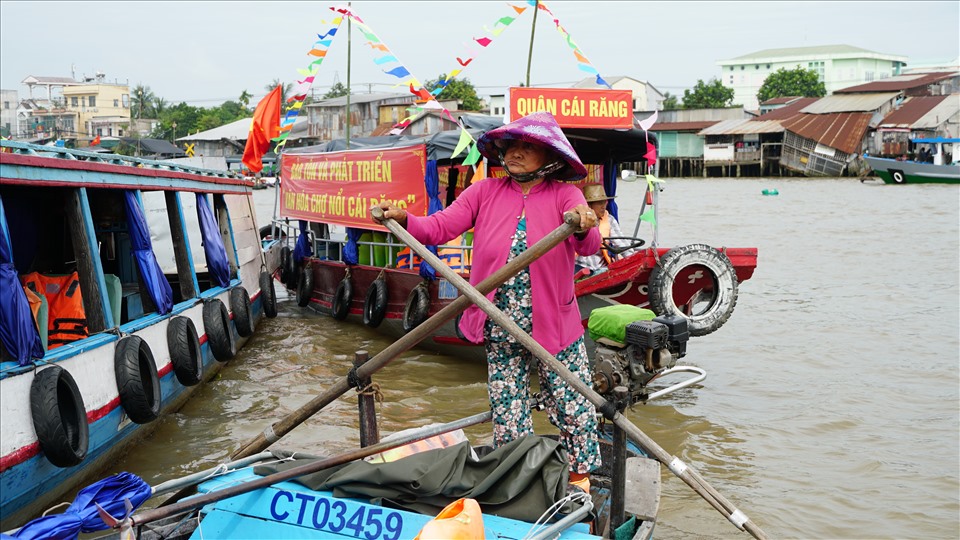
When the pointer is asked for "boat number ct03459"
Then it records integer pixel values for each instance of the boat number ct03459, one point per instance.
(336, 516)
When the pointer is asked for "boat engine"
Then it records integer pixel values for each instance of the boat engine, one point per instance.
(651, 347)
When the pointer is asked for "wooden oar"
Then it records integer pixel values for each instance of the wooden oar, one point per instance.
(682, 470)
(155, 514)
(282, 427)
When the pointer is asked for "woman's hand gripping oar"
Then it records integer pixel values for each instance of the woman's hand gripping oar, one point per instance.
(679, 468)
(282, 427)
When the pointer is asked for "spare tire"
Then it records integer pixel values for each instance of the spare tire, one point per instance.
(59, 416)
(417, 309)
(185, 353)
(375, 305)
(268, 295)
(137, 380)
(710, 305)
(216, 323)
(305, 286)
(340, 307)
(242, 311)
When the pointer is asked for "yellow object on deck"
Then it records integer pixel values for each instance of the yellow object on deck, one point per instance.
(460, 520)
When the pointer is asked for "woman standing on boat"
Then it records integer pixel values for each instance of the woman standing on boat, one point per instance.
(509, 214)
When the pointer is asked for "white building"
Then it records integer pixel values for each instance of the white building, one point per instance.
(9, 99)
(838, 66)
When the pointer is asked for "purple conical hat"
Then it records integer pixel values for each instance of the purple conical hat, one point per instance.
(539, 128)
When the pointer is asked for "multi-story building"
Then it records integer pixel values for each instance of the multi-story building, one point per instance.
(76, 110)
(8, 112)
(838, 66)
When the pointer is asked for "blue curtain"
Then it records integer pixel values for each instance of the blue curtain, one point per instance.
(18, 332)
(157, 285)
(302, 249)
(432, 183)
(351, 252)
(82, 515)
(610, 186)
(217, 264)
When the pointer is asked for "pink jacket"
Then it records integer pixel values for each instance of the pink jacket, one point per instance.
(493, 208)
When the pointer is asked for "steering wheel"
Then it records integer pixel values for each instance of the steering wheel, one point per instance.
(634, 243)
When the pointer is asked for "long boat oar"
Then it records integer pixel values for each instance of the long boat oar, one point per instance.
(282, 427)
(155, 514)
(679, 468)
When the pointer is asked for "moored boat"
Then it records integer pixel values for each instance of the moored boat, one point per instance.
(126, 283)
(943, 167)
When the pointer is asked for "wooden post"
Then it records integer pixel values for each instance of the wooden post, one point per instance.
(618, 471)
(369, 433)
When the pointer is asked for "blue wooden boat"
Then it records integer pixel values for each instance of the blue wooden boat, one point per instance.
(124, 283)
(943, 168)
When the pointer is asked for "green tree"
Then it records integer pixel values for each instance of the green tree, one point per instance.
(337, 90)
(670, 102)
(284, 92)
(709, 95)
(141, 101)
(460, 89)
(791, 82)
(244, 99)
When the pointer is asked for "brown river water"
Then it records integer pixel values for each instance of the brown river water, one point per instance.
(830, 407)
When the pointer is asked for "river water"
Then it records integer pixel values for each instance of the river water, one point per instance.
(830, 407)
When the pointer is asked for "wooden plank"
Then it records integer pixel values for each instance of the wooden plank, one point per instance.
(643, 488)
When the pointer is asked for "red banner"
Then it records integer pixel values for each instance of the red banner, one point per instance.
(340, 187)
(575, 107)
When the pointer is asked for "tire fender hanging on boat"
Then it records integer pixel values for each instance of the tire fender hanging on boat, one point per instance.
(185, 353)
(268, 294)
(59, 416)
(340, 306)
(417, 308)
(305, 286)
(242, 311)
(216, 324)
(375, 305)
(721, 287)
(137, 380)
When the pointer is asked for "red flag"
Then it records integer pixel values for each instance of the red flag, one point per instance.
(95, 141)
(265, 126)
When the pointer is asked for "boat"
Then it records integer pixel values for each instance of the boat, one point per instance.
(357, 271)
(944, 167)
(112, 312)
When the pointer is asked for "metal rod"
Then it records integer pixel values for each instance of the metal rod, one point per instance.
(282, 427)
(312, 467)
(682, 470)
(198, 477)
(533, 30)
(569, 520)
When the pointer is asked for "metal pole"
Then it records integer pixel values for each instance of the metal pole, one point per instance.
(533, 29)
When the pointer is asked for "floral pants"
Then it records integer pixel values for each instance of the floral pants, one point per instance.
(508, 366)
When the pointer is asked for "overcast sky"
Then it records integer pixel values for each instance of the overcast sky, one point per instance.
(207, 52)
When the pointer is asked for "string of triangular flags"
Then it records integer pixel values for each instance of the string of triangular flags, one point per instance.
(318, 52)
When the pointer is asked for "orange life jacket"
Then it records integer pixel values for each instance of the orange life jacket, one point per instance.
(604, 226)
(66, 319)
(454, 257)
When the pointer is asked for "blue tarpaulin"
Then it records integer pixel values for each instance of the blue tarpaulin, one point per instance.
(156, 283)
(217, 265)
(610, 186)
(82, 515)
(432, 183)
(351, 252)
(302, 248)
(18, 331)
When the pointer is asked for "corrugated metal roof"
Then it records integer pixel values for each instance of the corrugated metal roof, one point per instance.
(786, 111)
(843, 131)
(240, 129)
(683, 126)
(948, 108)
(364, 98)
(806, 52)
(910, 111)
(849, 103)
(743, 127)
(898, 83)
(779, 100)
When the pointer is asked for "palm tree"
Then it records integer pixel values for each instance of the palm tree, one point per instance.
(283, 91)
(244, 99)
(159, 106)
(141, 99)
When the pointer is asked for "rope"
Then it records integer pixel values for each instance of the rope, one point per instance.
(373, 389)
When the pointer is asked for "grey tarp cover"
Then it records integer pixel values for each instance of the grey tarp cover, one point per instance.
(519, 480)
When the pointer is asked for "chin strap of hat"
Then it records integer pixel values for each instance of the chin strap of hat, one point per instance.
(543, 171)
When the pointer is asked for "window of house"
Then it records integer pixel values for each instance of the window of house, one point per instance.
(867, 76)
(74, 101)
(731, 68)
(768, 66)
(99, 131)
(83, 101)
(756, 66)
(6, 104)
(109, 132)
(126, 101)
(119, 132)
(743, 68)
(116, 103)
(93, 101)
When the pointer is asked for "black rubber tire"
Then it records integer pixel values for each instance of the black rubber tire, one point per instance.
(340, 306)
(721, 272)
(305, 286)
(242, 310)
(375, 305)
(456, 327)
(185, 352)
(290, 268)
(285, 255)
(897, 176)
(268, 295)
(417, 308)
(59, 416)
(216, 324)
(137, 380)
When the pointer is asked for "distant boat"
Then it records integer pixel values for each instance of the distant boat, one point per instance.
(941, 171)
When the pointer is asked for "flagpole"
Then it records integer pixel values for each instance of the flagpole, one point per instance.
(533, 30)
(349, 41)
